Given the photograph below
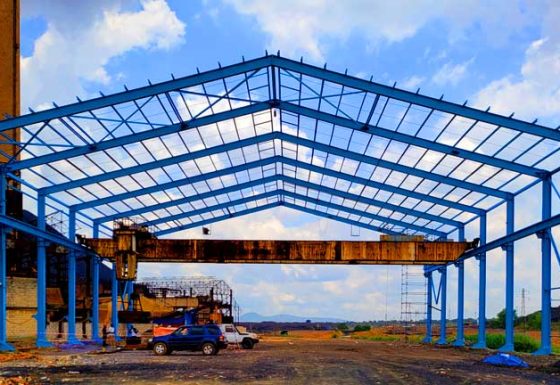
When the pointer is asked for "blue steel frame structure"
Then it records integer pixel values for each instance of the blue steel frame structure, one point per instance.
(275, 132)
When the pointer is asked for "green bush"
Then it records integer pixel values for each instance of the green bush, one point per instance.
(521, 342)
(362, 328)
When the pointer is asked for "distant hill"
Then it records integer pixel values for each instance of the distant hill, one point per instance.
(255, 317)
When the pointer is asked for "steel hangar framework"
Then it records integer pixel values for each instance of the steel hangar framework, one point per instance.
(275, 132)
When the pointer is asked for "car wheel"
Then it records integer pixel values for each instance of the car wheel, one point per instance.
(160, 349)
(247, 343)
(209, 349)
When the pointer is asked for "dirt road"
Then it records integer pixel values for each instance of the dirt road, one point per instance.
(283, 361)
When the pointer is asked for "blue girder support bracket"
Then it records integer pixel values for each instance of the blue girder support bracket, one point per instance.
(413, 140)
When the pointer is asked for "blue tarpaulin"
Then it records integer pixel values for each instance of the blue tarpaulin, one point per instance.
(504, 359)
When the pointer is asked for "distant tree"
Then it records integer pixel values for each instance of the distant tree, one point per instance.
(342, 327)
(500, 321)
(362, 328)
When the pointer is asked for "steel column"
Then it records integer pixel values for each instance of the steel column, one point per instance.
(428, 337)
(481, 343)
(509, 345)
(460, 338)
(41, 317)
(114, 301)
(443, 319)
(4, 345)
(72, 281)
(546, 269)
(95, 291)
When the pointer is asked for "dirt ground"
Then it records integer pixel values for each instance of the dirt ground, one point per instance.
(278, 360)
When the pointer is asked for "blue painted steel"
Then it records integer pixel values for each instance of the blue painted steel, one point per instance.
(115, 301)
(4, 345)
(382, 186)
(409, 139)
(51, 237)
(510, 228)
(41, 317)
(217, 219)
(443, 307)
(393, 166)
(546, 255)
(268, 194)
(339, 219)
(71, 318)
(415, 98)
(231, 170)
(365, 214)
(428, 337)
(179, 183)
(159, 163)
(139, 93)
(139, 136)
(460, 338)
(481, 342)
(95, 291)
(366, 200)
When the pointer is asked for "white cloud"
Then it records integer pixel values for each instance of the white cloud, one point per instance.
(305, 27)
(451, 73)
(413, 82)
(64, 59)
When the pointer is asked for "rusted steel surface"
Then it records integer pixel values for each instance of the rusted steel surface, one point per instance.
(261, 251)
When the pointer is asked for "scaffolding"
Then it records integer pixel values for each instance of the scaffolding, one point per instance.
(413, 298)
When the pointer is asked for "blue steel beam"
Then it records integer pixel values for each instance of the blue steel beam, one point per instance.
(217, 219)
(382, 186)
(510, 216)
(51, 237)
(159, 163)
(415, 98)
(299, 182)
(240, 144)
(268, 194)
(412, 140)
(393, 166)
(266, 207)
(370, 201)
(71, 317)
(139, 136)
(443, 312)
(4, 345)
(546, 262)
(186, 200)
(375, 217)
(169, 185)
(138, 93)
(428, 338)
(41, 341)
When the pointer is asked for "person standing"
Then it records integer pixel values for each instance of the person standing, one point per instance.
(104, 334)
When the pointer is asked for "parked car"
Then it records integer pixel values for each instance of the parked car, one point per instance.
(234, 336)
(207, 339)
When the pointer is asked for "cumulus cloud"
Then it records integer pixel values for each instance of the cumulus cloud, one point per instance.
(305, 27)
(451, 73)
(69, 54)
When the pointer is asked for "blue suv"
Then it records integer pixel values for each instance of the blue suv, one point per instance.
(207, 339)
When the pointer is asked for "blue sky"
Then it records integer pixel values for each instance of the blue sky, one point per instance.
(506, 55)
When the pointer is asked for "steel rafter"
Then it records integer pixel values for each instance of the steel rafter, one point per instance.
(283, 192)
